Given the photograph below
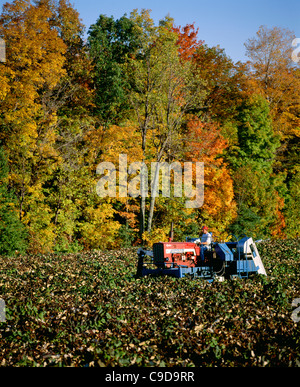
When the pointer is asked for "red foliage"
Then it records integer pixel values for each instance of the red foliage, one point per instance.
(188, 42)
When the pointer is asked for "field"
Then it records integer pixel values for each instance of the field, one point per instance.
(87, 309)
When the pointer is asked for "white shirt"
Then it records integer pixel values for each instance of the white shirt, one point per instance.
(206, 238)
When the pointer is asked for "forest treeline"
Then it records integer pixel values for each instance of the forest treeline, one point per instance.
(155, 92)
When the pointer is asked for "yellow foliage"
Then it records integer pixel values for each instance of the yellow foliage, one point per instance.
(100, 230)
(156, 235)
(39, 226)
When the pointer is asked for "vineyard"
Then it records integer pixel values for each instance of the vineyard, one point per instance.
(88, 309)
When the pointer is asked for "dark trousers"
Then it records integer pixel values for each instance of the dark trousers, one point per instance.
(203, 248)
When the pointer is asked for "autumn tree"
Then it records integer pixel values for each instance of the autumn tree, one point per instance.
(187, 41)
(75, 89)
(204, 142)
(34, 66)
(277, 78)
(225, 83)
(205, 130)
(70, 185)
(270, 62)
(162, 89)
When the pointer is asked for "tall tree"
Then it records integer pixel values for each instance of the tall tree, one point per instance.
(277, 78)
(73, 99)
(75, 89)
(204, 142)
(257, 189)
(162, 89)
(224, 82)
(34, 66)
(110, 42)
(270, 62)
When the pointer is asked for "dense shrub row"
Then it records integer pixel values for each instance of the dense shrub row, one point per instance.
(89, 309)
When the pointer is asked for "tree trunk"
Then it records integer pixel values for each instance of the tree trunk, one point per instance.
(142, 213)
(143, 197)
(154, 187)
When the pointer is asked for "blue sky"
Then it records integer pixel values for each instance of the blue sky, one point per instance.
(225, 23)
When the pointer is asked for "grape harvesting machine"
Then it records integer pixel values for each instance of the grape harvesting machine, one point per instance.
(223, 260)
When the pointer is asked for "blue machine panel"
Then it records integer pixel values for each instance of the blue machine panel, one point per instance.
(224, 252)
(247, 266)
(180, 272)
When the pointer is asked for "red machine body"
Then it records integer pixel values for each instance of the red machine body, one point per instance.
(172, 254)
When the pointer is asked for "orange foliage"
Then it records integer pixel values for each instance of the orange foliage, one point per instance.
(206, 144)
(187, 41)
(279, 227)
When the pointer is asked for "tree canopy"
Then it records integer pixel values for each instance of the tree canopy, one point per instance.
(155, 93)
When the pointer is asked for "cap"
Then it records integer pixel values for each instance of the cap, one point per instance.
(204, 228)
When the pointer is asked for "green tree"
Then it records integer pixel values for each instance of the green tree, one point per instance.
(12, 232)
(291, 210)
(257, 142)
(110, 42)
(252, 158)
